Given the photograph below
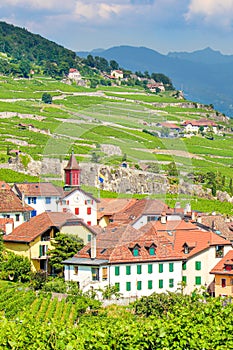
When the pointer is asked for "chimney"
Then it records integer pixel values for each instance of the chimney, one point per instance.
(8, 227)
(187, 208)
(93, 246)
(193, 215)
(163, 218)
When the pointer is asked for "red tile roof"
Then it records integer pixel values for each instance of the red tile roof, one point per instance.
(11, 203)
(200, 122)
(140, 207)
(4, 221)
(37, 225)
(116, 245)
(38, 189)
(220, 267)
(110, 206)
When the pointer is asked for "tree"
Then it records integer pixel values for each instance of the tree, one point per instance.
(124, 158)
(15, 267)
(172, 170)
(65, 246)
(94, 157)
(46, 98)
(113, 65)
(24, 68)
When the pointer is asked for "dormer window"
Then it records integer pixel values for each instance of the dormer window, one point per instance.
(186, 249)
(152, 250)
(136, 251)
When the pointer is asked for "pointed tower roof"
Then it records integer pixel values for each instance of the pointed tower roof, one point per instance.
(72, 164)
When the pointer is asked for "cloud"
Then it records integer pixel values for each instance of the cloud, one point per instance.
(98, 10)
(214, 12)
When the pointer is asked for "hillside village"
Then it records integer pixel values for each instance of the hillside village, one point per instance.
(138, 246)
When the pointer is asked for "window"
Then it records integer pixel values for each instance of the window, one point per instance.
(160, 268)
(31, 200)
(95, 274)
(184, 279)
(223, 282)
(88, 238)
(128, 286)
(16, 217)
(47, 200)
(160, 284)
(104, 274)
(75, 269)
(117, 285)
(184, 266)
(135, 251)
(219, 251)
(117, 270)
(171, 267)
(89, 223)
(198, 280)
(150, 268)
(186, 249)
(152, 218)
(128, 270)
(89, 201)
(139, 285)
(43, 250)
(171, 283)
(152, 250)
(198, 265)
(139, 269)
(76, 211)
(150, 284)
(89, 211)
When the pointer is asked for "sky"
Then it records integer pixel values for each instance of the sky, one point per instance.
(162, 25)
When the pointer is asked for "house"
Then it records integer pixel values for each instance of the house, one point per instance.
(200, 249)
(12, 207)
(136, 262)
(74, 199)
(74, 74)
(118, 74)
(223, 273)
(193, 126)
(34, 239)
(41, 196)
(154, 87)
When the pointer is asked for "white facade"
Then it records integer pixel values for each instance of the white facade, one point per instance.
(198, 267)
(40, 204)
(81, 204)
(132, 280)
(18, 217)
(189, 128)
(144, 219)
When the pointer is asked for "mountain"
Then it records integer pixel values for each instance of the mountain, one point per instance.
(204, 76)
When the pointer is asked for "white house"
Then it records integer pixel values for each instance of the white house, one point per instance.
(12, 207)
(118, 74)
(137, 263)
(41, 196)
(201, 250)
(80, 203)
(74, 74)
(193, 126)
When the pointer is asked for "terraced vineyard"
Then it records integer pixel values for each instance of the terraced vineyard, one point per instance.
(83, 119)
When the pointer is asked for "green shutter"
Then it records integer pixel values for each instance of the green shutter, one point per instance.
(128, 286)
(198, 280)
(160, 268)
(171, 267)
(139, 285)
(150, 268)
(171, 283)
(139, 269)
(117, 285)
(135, 252)
(160, 283)
(150, 284)
(128, 270)
(198, 265)
(184, 279)
(184, 266)
(117, 270)
(40, 250)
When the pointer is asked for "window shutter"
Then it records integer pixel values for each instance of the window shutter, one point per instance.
(171, 267)
(198, 265)
(139, 285)
(128, 270)
(150, 284)
(139, 269)
(160, 283)
(160, 268)
(76, 211)
(40, 250)
(128, 286)
(184, 266)
(150, 268)
(117, 270)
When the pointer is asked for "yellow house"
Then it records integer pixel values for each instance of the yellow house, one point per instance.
(223, 272)
(33, 239)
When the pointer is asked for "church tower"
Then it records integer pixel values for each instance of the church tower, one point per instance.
(72, 172)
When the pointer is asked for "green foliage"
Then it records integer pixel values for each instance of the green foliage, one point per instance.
(38, 279)
(65, 246)
(56, 285)
(15, 267)
(46, 98)
(108, 292)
